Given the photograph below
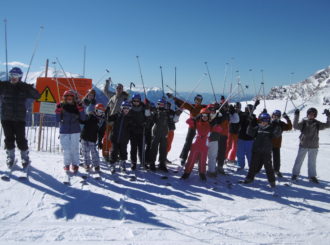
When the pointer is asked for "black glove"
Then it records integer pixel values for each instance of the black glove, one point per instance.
(231, 109)
(264, 111)
(256, 103)
(296, 112)
(326, 112)
(169, 95)
(216, 106)
(285, 116)
(100, 145)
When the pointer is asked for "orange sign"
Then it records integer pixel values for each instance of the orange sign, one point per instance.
(52, 89)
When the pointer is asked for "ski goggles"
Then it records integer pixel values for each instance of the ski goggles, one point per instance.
(15, 75)
(99, 111)
(126, 108)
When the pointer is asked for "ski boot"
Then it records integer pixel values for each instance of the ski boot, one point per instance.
(294, 177)
(66, 168)
(212, 174)
(133, 167)
(74, 168)
(122, 165)
(97, 169)
(279, 174)
(162, 167)
(10, 158)
(221, 171)
(185, 176)
(314, 180)
(272, 184)
(152, 167)
(202, 176)
(247, 181)
(25, 159)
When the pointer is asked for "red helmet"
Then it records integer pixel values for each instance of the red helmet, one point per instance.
(91, 91)
(68, 93)
(99, 107)
(204, 111)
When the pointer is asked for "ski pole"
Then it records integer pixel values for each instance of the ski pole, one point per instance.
(34, 51)
(6, 49)
(161, 74)
(175, 85)
(208, 72)
(225, 79)
(74, 86)
(254, 84)
(102, 77)
(144, 89)
(263, 87)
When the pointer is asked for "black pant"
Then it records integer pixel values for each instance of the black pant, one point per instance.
(118, 149)
(136, 140)
(222, 146)
(187, 145)
(258, 160)
(277, 159)
(14, 131)
(159, 141)
(148, 137)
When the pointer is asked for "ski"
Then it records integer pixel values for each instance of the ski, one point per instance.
(6, 175)
(23, 173)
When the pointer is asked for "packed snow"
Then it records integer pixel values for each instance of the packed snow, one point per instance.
(155, 210)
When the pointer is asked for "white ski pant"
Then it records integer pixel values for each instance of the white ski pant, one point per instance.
(90, 153)
(70, 146)
(312, 154)
(212, 156)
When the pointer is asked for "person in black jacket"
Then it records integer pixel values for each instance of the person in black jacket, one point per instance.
(138, 113)
(120, 134)
(263, 133)
(91, 137)
(14, 94)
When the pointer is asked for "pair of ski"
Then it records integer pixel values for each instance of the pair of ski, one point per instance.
(20, 173)
(273, 190)
(69, 175)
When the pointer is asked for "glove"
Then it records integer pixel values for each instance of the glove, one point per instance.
(285, 116)
(59, 108)
(326, 112)
(256, 103)
(231, 109)
(178, 112)
(216, 106)
(264, 110)
(296, 112)
(80, 108)
(100, 145)
(169, 95)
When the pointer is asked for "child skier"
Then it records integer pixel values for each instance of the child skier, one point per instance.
(198, 151)
(263, 134)
(69, 114)
(233, 132)
(277, 141)
(120, 135)
(91, 136)
(309, 141)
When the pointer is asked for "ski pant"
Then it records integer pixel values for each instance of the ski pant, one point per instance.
(187, 145)
(244, 149)
(136, 139)
(106, 142)
(231, 147)
(70, 146)
(158, 142)
(90, 153)
(14, 131)
(197, 153)
(260, 159)
(148, 138)
(212, 156)
(276, 159)
(222, 145)
(312, 154)
(118, 149)
(170, 137)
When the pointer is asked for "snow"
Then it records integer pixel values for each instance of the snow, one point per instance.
(118, 211)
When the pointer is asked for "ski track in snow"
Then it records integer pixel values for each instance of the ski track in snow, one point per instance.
(115, 210)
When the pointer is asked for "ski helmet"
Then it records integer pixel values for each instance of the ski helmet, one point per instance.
(136, 97)
(126, 104)
(277, 113)
(264, 117)
(211, 107)
(16, 72)
(238, 105)
(161, 103)
(249, 108)
(152, 105)
(91, 91)
(204, 111)
(99, 107)
(68, 93)
(198, 97)
(312, 110)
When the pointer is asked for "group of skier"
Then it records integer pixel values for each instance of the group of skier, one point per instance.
(222, 132)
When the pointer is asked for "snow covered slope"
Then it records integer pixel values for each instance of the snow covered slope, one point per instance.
(157, 211)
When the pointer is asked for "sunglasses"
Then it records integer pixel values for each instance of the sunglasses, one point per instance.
(205, 115)
(136, 101)
(15, 75)
(126, 108)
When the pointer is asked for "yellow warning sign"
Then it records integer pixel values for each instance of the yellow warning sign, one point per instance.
(47, 96)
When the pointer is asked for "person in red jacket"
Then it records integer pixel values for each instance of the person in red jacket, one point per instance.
(198, 150)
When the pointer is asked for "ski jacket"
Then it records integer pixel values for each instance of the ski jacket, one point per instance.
(194, 109)
(173, 119)
(94, 128)
(203, 129)
(14, 97)
(244, 120)
(160, 122)
(277, 141)
(69, 118)
(89, 104)
(234, 123)
(121, 127)
(309, 137)
(139, 116)
(216, 128)
(263, 136)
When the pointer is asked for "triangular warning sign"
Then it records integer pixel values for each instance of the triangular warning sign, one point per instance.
(47, 96)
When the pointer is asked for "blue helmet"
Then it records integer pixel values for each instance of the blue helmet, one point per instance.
(136, 97)
(277, 113)
(161, 103)
(16, 72)
(126, 103)
(152, 105)
(264, 117)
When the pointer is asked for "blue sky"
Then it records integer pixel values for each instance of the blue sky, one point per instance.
(280, 37)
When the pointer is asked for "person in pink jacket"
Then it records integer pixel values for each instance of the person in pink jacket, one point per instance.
(198, 150)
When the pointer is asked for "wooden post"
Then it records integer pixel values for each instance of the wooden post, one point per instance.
(40, 129)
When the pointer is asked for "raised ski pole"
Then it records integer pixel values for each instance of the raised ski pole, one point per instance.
(102, 77)
(34, 51)
(263, 87)
(252, 78)
(162, 78)
(225, 78)
(144, 89)
(208, 72)
(174, 81)
(6, 50)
